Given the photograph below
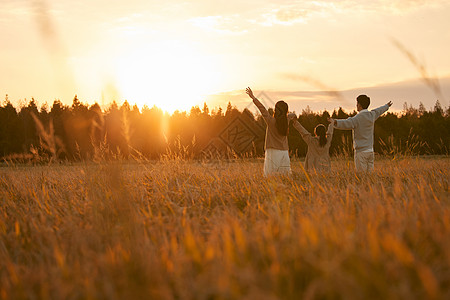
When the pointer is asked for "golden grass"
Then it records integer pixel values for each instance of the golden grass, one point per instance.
(219, 230)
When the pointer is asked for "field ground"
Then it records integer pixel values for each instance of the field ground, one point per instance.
(219, 230)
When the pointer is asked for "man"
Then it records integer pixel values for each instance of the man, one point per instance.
(362, 125)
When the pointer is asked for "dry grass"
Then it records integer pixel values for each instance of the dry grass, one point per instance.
(219, 230)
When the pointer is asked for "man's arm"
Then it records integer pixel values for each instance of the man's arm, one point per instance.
(382, 109)
(258, 104)
(348, 123)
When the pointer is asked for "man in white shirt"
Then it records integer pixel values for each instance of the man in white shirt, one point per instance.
(362, 125)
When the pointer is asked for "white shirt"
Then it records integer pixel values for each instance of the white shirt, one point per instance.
(362, 125)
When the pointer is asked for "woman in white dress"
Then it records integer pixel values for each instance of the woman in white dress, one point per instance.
(276, 144)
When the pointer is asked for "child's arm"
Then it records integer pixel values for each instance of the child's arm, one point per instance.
(330, 133)
(330, 130)
(303, 132)
(382, 109)
(258, 104)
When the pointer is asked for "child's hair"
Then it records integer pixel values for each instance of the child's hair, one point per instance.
(363, 100)
(320, 131)
(280, 115)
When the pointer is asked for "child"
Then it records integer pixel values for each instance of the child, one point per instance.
(362, 125)
(276, 145)
(318, 155)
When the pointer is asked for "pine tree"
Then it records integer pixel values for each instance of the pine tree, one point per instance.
(205, 109)
(422, 109)
(438, 108)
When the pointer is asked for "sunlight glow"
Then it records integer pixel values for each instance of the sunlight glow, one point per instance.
(171, 75)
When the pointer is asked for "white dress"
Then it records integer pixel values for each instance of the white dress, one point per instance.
(277, 161)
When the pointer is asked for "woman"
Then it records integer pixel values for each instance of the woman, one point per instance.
(276, 145)
(318, 155)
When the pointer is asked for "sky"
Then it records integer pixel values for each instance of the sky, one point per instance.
(176, 54)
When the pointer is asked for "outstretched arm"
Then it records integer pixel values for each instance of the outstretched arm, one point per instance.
(342, 124)
(382, 109)
(258, 104)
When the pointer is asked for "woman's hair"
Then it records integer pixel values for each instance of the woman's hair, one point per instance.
(321, 132)
(280, 115)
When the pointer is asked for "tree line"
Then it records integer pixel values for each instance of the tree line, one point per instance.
(81, 131)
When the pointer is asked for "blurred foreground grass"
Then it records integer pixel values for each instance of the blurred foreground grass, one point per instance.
(219, 230)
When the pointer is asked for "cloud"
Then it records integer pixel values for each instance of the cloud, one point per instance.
(128, 25)
(301, 12)
(228, 25)
(291, 15)
(283, 17)
(297, 12)
(407, 6)
(386, 6)
(14, 10)
(411, 91)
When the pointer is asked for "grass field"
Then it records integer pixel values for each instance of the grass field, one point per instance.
(219, 230)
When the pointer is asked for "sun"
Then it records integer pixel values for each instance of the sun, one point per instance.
(171, 75)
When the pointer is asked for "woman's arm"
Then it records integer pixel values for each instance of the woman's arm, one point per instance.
(258, 104)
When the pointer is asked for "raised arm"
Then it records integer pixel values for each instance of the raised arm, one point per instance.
(330, 133)
(258, 104)
(382, 109)
(303, 132)
(330, 130)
